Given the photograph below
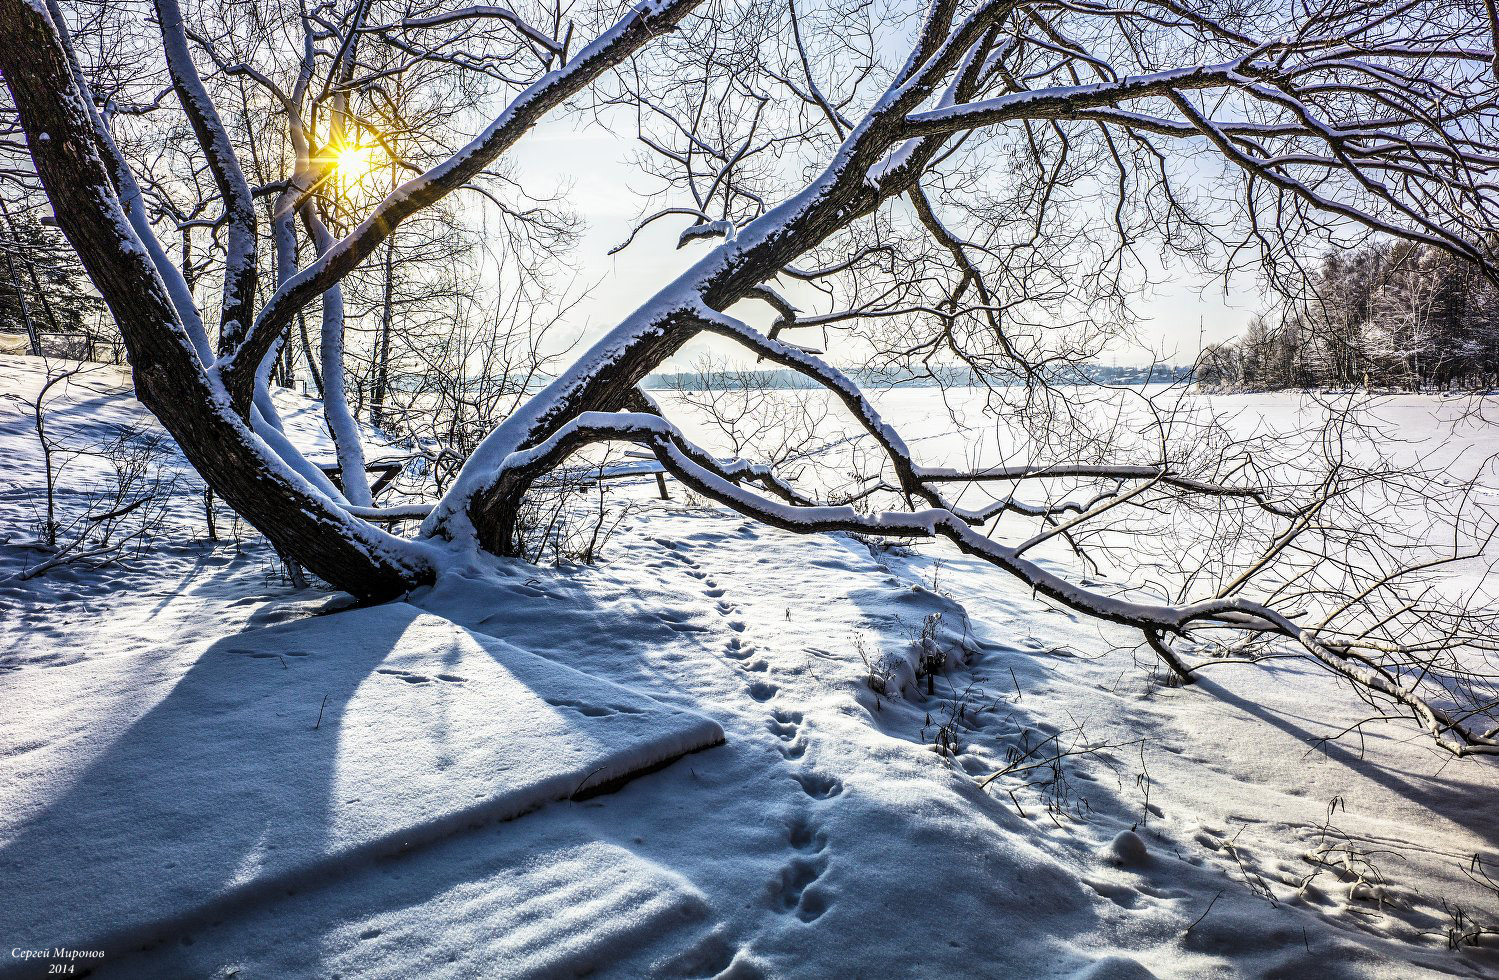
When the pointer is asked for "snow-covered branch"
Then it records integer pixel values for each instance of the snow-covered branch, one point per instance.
(636, 28)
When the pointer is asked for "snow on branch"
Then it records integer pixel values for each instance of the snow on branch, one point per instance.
(478, 12)
(1056, 102)
(1120, 471)
(643, 22)
(724, 483)
(241, 271)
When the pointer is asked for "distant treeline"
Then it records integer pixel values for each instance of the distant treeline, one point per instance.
(1389, 315)
(946, 377)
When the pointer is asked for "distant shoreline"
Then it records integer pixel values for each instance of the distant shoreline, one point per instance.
(938, 378)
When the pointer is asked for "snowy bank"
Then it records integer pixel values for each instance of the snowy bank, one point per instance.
(1239, 827)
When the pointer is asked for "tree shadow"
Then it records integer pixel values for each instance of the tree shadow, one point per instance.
(265, 769)
(1455, 799)
(191, 780)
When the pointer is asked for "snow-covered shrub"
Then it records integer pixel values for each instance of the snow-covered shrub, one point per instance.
(104, 493)
(880, 670)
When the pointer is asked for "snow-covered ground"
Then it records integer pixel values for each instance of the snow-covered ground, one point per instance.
(1142, 830)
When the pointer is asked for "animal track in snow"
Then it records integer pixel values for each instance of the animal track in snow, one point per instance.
(786, 726)
(404, 675)
(786, 723)
(792, 890)
(679, 626)
(763, 690)
(803, 835)
(812, 906)
(819, 786)
(413, 678)
(789, 891)
(593, 710)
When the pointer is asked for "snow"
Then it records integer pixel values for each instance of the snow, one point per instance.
(358, 734)
(827, 836)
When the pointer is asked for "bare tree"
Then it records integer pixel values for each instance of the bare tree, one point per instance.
(975, 193)
(746, 414)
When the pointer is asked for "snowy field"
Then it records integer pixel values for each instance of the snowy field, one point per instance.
(365, 829)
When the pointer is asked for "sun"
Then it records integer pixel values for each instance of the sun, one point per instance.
(353, 163)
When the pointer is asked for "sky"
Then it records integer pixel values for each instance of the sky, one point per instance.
(1184, 311)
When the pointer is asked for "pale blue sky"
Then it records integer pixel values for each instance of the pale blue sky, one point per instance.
(1182, 311)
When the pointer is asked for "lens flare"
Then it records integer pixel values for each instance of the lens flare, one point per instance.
(353, 163)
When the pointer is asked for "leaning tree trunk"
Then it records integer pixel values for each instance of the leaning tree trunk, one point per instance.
(605, 378)
(170, 379)
(203, 401)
